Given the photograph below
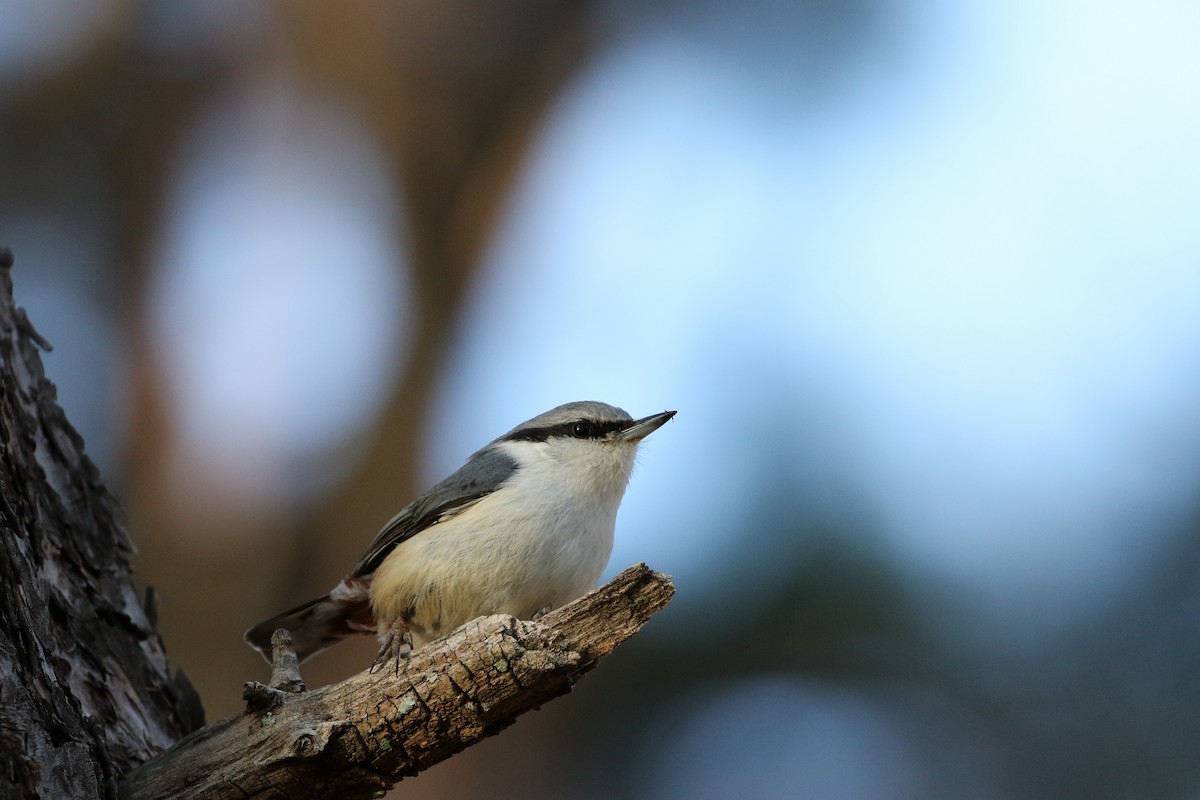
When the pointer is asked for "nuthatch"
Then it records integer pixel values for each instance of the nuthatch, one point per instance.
(525, 526)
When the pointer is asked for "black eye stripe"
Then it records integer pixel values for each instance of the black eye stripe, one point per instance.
(599, 430)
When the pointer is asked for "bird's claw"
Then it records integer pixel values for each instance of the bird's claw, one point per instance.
(395, 647)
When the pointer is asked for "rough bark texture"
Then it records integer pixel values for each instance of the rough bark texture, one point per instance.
(356, 738)
(85, 692)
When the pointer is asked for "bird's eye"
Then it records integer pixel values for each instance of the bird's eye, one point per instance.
(581, 430)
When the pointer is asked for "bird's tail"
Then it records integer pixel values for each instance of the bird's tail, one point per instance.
(317, 624)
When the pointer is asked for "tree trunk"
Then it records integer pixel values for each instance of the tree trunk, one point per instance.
(85, 692)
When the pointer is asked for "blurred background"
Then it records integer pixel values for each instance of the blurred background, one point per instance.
(921, 277)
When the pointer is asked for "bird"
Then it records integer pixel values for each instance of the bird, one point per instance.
(524, 526)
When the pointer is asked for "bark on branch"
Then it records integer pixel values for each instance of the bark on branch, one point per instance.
(357, 738)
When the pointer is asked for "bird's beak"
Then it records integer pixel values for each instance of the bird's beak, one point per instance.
(640, 429)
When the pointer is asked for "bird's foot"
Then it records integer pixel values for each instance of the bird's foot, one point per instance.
(395, 646)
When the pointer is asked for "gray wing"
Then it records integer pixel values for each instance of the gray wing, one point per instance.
(479, 477)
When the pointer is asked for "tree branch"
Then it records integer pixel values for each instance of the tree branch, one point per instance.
(357, 738)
